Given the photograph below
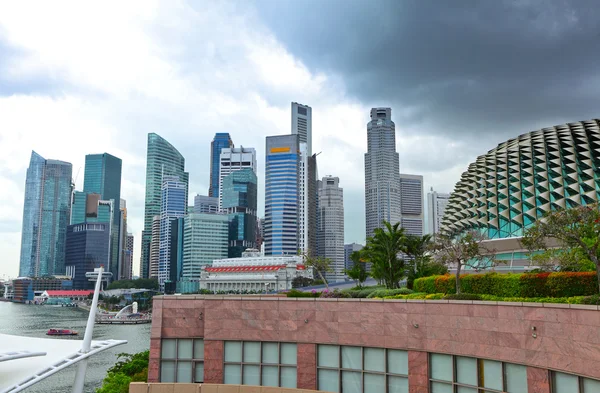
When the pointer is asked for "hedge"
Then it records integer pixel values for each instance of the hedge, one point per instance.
(527, 285)
(592, 300)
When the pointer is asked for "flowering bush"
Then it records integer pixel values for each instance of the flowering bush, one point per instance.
(336, 293)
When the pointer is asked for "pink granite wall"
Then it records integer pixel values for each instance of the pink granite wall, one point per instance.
(538, 380)
(418, 376)
(307, 366)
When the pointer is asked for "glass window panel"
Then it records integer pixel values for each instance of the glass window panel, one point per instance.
(288, 377)
(199, 349)
(374, 383)
(441, 367)
(233, 374)
(184, 348)
(251, 376)
(462, 389)
(564, 383)
(351, 358)
(167, 371)
(184, 372)
(233, 351)
(374, 359)
(328, 356)
(351, 382)
(168, 350)
(251, 352)
(328, 380)
(590, 385)
(466, 370)
(289, 353)
(397, 384)
(397, 361)
(516, 378)
(270, 353)
(438, 387)
(492, 375)
(270, 376)
(199, 372)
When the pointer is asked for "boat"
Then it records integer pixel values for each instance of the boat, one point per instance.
(61, 332)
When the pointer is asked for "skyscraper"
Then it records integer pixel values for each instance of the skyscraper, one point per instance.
(124, 271)
(87, 248)
(239, 195)
(234, 159)
(46, 212)
(348, 250)
(411, 204)
(221, 141)
(205, 239)
(173, 206)
(302, 125)
(128, 262)
(162, 160)
(154, 248)
(330, 232)
(382, 171)
(282, 163)
(206, 204)
(436, 206)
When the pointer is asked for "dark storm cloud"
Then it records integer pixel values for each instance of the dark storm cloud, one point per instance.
(464, 67)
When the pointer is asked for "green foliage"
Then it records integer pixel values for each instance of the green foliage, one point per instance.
(318, 282)
(572, 283)
(132, 368)
(382, 251)
(491, 283)
(141, 283)
(300, 282)
(336, 293)
(297, 293)
(358, 272)
(593, 300)
(462, 296)
(381, 293)
(320, 265)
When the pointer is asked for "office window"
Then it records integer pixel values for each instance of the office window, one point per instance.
(182, 360)
(350, 369)
(568, 383)
(461, 374)
(260, 363)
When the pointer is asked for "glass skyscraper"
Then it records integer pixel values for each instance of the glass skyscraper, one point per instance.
(162, 160)
(221, 141)
(239, 201)
(88, 247)
(46, 213)
(173, 206)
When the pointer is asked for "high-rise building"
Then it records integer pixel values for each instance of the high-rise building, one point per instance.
(87, 247)
(46, 212)
(173, 206)
(411, 204)
(221, 141)
(162, 160)
(205, 239)
(260, 235)
(206, 204)
(175, 255)
(234, 159)
(282, 164)
(348, 250)
(124, 271)
(239, 201)
(330, 232)
(307, 202)
(436, 206)
(382, 171)
(154, 247)
(128, 260)
(302, 125)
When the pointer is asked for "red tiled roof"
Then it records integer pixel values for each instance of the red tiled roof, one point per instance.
(249, 269)
(69, 293)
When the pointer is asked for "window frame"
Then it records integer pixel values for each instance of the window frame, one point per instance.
(580, 380)
(176, 360)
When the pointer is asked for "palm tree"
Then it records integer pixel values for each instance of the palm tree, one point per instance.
(382, 251)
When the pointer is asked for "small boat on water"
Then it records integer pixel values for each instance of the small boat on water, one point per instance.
(61, 332)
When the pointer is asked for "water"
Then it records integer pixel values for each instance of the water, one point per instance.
(34, 321)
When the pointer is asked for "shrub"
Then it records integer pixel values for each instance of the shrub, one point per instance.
(462, 296)
(297, 293)
(425, 284)
(594, 300)
(390, 292)
(445, 284)
(534, 285)
(336, 293)
(572, 283)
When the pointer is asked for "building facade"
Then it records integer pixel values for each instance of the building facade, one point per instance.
(348, 250)
(239, 195)
(205, 239)
(307, 202)
(330, 231)
(436, 206)
(173, 206)
(302, 125)
(155, 247)
(233, 159)
(124, 265)
(382, 171)
(411, 204)
(46, 213)
(162, 160)
(128, 257)
(88, 248)
(221, 141)
(206, 204)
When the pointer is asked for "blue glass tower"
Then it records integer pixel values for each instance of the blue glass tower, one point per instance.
(173, 206)
(88, 247)
(220, 141)
(240, 203)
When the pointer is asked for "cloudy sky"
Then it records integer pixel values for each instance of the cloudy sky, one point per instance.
(460, 77)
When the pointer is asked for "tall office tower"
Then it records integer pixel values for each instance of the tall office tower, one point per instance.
(206, 204)
(128, 262)
(348, 250)
(87, 247)
(154, 247)
(205, 239)
(221, 141)
(46, 212)
(175, 254)
(162, 160)
(307, 202)
(173, 206)
(330, 232)
(382, 171)
(282, 165)
(234, 159)
(260, 233)
(239, 201)
(436, 206)
(302, 124)
(123, 270)
(411, 204)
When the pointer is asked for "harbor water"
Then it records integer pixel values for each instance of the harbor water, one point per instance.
(34, 321)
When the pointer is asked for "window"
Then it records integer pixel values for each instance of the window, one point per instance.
(361, 370)
(182, 360)
(260, 363)
(460, 374)
(567, 383)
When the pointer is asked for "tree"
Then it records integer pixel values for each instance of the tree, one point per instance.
(382, 250)
(133, 368)
(300, 282)
(462, 249)
(576, 228)
(319, 264)
(358, 272)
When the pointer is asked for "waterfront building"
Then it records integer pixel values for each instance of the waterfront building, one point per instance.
(155, 247)
(302, 125)
(162, 160)
(206, 204)
(221, 141)
(234, 159)
(25, 289)
(436, 206)
(205, 239)
(330, 231)
(175, 271)
(382, 171)
(411, 204)
(239, 201)
(46, 212)
(282, 164)
(348, 250)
